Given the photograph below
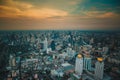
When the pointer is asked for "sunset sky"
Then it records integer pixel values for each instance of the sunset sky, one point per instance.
(59, 14)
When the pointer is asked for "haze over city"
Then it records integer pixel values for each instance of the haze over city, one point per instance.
(59, 14)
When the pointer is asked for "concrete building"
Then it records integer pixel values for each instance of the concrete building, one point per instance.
(87, 62)
(12, 61)
(99, 69)
(45, 44)
(69, 50)
(105, 50)
(79, 64)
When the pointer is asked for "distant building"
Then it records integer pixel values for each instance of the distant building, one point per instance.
(52, 45)
(12, 61)
(49, 50)
(105, 50)
(99, 69)
(45, 44)
(91, 41)
(79, 64)
(69, 50)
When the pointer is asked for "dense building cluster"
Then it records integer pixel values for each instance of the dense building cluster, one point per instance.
(59, 55)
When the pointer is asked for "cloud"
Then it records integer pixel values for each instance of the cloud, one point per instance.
(99, 4)
(14, 9)
(7, 11)
(58, 14)
(74, 2)
(65, 5)
(109, 15)
(98, 9)
(99, 14)
(43, 13)
(17, 4)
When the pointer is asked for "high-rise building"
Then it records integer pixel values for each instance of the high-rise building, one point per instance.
(79, 64)
(12, 61)
(105, 50)
(45, 44)
(87, 62)
(52, 45)
(99, 69)
(69, 51)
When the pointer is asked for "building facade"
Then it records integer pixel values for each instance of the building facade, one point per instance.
(79, 64)
(45, 44)
(99, 69)
(87, 63)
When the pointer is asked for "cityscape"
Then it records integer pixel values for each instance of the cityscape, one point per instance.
(59, 55)
(59, 39)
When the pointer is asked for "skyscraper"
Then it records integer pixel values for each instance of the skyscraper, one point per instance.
(12, 61)
(45, 44)
(52, 45)
(87, 62)
(69, 51)
(79, 64)
(99, 69)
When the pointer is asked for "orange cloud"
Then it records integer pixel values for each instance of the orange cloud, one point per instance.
(9, 11)
(43, 13)
(92, 14)
(18, 9)
(100, 14)
(73, 3)
(109, 15)
(16, 4)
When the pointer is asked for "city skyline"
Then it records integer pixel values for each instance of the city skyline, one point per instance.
(59, 14)
(59, 55)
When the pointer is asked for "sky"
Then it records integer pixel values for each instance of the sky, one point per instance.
(59, 14)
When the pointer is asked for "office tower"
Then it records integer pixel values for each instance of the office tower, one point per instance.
(99, 69)
(12, 61)
(87, 62)
(49, 50)
(52, 45)
(79, 64)
(105, 50)
(69, 50)
(91, 41)
(45, 44)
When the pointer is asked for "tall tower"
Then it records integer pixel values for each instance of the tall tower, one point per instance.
(79, 64)
(99, 69)
(12, 61)
(87, 62)
(45, 44)
(69, 50)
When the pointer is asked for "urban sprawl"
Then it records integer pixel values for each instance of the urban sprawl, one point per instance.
(59, 55)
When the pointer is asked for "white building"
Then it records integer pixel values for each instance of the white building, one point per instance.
(12, 61)
(105, 50)
(99, 69)
(79, 64)
(49, 50)
(69, 50)
(45, 44)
